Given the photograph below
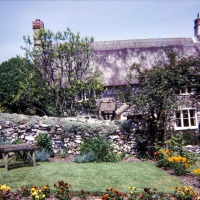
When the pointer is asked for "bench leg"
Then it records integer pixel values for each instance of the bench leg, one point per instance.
(33, 158)
(5, 158)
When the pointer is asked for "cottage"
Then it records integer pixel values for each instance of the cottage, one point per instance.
(114, 58)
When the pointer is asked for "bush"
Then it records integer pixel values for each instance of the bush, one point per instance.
(100, 147)
(176, 143)
(42, 155)
(191, 137)
(44, 142)
(179, 164)
(162, 156)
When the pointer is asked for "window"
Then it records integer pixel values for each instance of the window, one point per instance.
(85, 94)
(186, 119)
(186, 91)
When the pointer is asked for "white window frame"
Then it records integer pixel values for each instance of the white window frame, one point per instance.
(85, 94)
(182, 127)
(187, 91)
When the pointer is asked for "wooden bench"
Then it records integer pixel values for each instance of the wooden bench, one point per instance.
(23, 150)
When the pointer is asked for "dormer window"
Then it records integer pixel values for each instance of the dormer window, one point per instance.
(186, 91)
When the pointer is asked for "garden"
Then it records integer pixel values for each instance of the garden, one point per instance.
(98, 173)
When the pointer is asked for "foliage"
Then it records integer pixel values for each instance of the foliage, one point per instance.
(150, 194)
(191, 137)
(22, 89)
(147, 194)
(5, 193)
(192, 157)
(132, 191)
(40, 193)
(62, 190)
(176, 143)
(2, 140)
(82, 195)
(125, 125)
(197, 173)
(157, 97)
(112, 193)
(162, 157)
(83, 158)
(44, 142)
(63, 60)
(25, 191)
(141, 142)
(184, 193)
(179, 164)
(100, 148)
(62, 153)
(42, 155)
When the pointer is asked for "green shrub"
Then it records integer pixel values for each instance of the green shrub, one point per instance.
(161, 157)
(100, 147)
(179, 164)
(176, 143)
(191, 137)
(42, 155)
(44, 142)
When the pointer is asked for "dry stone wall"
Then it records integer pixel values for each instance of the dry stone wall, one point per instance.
(66, 133)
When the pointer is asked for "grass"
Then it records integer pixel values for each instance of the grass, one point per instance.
(91, 177)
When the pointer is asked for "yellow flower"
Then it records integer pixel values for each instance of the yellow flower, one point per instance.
(4, 187)
(197, 171)
(45, 187)
(32, 190)
(35, 193)
(37, 197)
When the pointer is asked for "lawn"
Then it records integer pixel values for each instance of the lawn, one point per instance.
(91, 177)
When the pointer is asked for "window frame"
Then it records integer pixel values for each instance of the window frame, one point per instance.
(186, 91)
(189, 117)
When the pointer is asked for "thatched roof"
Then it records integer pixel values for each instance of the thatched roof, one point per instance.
(114, 58)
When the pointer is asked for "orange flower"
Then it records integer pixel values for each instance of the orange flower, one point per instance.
(105, 197)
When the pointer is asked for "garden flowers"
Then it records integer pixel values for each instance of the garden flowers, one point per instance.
(131, 190)
(112, 193)
(40, 193)
(184, 192)
(179, 164)
(197, 173)
(4, 188)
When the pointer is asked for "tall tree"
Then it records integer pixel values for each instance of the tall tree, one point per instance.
(63, 60)
(158, 94)
(22, 88)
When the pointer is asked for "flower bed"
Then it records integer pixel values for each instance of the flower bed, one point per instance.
(62, 192)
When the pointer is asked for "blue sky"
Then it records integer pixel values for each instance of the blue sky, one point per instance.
(104, 20)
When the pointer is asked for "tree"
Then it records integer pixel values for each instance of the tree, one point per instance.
(22, 89)
(157, 96)
(63, 60)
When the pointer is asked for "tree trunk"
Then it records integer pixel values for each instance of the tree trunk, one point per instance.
(58, 103)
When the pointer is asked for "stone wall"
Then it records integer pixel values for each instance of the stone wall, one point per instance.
(66, 133)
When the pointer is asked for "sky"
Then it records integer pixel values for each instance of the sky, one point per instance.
(104, 20)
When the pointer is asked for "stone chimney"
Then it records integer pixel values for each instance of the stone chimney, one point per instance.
(36, 25)
(197, 27)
